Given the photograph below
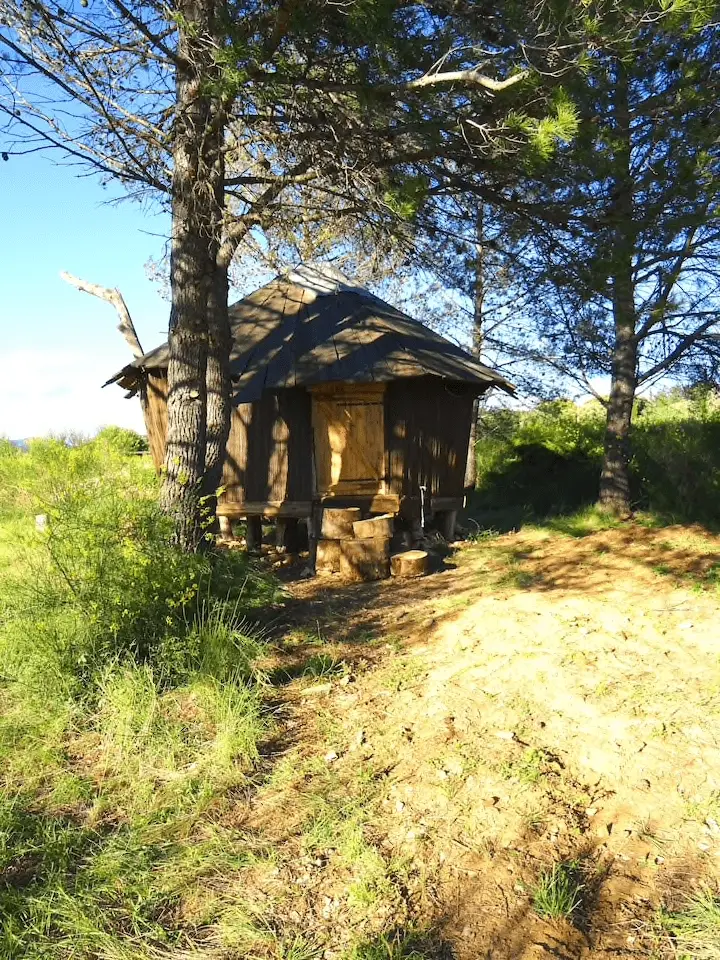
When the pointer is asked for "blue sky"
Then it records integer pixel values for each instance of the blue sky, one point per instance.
(59, 345)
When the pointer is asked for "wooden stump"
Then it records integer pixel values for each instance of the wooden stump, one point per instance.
(374, 528)
(327, 556)
(412, 563)
(337, 522)
(362, 560)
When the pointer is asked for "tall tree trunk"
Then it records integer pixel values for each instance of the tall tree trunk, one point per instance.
(615, 474)
(196, 222)
(218, 361)
(478, 337)
(218, 389)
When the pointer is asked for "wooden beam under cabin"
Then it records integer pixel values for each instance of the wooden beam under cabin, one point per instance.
(447, 503)
(270, 508)
(380, 503)
(377, 503)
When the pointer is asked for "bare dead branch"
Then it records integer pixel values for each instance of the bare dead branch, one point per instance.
(114, 297)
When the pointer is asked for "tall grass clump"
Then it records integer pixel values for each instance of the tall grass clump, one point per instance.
(694, 929)
(101, 584)
(557, 894)
(132, 705)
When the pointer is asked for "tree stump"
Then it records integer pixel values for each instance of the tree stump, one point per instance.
(327, 556)
(412, 563)
(364, 559)
(374, 528)
(337, 522)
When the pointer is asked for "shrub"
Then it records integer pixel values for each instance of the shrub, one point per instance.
(547, 460)
(131, 705)
(102, 584)
(121, 440)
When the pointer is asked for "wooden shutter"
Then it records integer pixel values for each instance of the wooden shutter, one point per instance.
(349, 440)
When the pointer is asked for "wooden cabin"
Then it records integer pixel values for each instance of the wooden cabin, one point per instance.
(337, 398)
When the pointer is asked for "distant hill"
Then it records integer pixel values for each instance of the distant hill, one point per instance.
(22, 444)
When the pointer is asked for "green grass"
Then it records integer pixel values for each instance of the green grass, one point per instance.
(99, 859)
(557, 894)
(581, 523)
(528, 769)
(323, 666)
(301, 948)
(407, 944)
(403, 674)
(695, 928)
(132, 708)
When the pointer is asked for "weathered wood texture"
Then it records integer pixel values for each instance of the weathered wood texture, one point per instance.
(412, 563)
(226, 528)
(375, 445)
(156, 415)
(269, 450)
(337, 524)
(268, 508)
(349, 433)
(427, 428)
(327, 556)
(362, 560)
(373, 528)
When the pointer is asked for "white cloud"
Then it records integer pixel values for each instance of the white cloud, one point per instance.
(44, 392)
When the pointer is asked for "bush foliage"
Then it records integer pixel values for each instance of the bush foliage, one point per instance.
(130, 701)
(548, 460)
(101, 585)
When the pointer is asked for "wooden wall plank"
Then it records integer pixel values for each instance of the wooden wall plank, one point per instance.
(156, 417)
(427, 429)
(385, 438)
(348, 426)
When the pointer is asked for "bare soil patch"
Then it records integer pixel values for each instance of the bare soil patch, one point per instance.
(547, 700)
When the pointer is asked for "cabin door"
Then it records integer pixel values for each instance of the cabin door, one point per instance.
(349, 439)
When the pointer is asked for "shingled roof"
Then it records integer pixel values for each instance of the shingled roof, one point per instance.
(313, 325)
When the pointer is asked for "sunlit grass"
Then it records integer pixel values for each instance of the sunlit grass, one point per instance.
(557, 893)
(694, 929)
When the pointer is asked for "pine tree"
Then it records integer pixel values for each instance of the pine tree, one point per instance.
(618, 231)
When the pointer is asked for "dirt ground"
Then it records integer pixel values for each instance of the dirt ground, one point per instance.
(542, 699)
